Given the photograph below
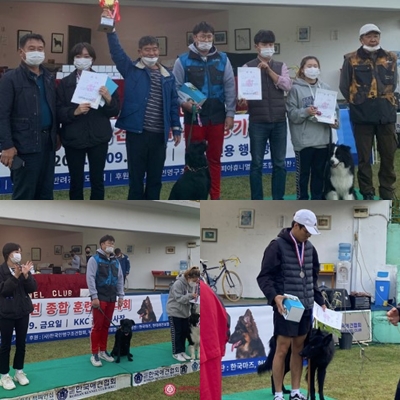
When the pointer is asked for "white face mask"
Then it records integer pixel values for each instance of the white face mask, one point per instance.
(204, 46)
(312, 73)
(16, 258)
(371, 49)
(150, 61)
(34, 58)
(267, 52)
(83, 63)
(192, 284)
(109, 249)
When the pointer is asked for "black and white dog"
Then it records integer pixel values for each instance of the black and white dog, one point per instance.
(194, 332)
(195, 182)
(339, 181)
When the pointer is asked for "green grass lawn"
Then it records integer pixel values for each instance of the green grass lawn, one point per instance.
(236, 188)
(151, 391)
(349, 376)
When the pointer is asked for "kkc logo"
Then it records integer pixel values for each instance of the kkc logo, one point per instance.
(184, 369)
(138, 378)
(62, 394)
(169, 389)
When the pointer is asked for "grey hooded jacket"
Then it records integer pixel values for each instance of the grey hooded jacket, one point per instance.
(305, 130)
(180, 294)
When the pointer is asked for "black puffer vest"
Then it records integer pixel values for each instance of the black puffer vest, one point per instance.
(293, 284)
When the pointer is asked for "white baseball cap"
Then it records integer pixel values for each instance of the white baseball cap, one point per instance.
(369, 28)
(308, 219)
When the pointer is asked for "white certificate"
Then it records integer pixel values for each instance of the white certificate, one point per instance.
(249, 83)
(328, 317)
(325, 101)
(87, 89)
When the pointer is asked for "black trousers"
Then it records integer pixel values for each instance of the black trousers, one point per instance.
(35, 180)
(179, 332)
(146, 154)
(6, 330)
(76, 163)
(310, 166)
(397, 397)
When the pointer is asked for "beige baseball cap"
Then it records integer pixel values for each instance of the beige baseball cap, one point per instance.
(369, 28)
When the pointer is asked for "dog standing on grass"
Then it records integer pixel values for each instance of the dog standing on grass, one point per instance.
(195, 182)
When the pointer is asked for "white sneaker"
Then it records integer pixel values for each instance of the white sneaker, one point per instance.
(185, 356)
(7, 382)
(105, 356)
(21, 378)
(95, 360)
(179, 357)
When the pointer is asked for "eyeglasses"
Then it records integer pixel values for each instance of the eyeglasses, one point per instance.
(206, 37)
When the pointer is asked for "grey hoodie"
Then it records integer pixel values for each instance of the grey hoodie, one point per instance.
(180, 294)
(305, 131)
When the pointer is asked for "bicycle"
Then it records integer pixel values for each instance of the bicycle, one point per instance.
(231, 283)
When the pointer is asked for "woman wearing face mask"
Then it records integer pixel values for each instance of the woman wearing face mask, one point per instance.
(16, 282)
(310, 138)
(181, 293)
(85, 131)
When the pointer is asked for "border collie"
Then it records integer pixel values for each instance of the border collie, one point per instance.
(339, 183)
(194, 333)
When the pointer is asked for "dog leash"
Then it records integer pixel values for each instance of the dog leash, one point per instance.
(191, 125)
(109, 320)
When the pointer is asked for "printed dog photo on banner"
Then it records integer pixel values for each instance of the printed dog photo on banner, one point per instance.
(148, 309)
(251, 330)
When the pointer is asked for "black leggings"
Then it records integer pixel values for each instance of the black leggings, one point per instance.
(179, 333)
(6, 330)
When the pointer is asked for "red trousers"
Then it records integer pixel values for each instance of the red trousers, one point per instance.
(214, 135)
(99, 332)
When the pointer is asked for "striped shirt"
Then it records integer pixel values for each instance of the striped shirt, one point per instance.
(154, 118)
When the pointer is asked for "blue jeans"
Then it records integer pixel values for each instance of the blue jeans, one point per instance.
(260, 134)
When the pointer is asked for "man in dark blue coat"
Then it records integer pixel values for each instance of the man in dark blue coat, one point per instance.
(28, 123)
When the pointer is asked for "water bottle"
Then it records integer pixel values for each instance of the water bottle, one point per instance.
(182, 266)
(344, 252)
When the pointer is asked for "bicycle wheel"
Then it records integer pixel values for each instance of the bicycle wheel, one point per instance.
(232, 286)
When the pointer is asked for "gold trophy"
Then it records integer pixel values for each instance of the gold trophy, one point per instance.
(112, 9)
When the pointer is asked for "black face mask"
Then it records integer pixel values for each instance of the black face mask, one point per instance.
(88, 252)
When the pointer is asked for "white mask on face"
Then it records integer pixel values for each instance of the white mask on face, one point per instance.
(16, 258)
(150, 61)
(192, 284)
(109, 250)
(267, 52)
(204, 46)
(312, 73)
(83, 63)
(34, 58)
(371, 49)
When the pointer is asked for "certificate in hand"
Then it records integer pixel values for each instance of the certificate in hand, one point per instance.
(328, 317)
(87, 89)
(249, 83)
(325, 101)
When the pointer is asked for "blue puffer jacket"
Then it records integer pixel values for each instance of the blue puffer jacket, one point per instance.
(20, 119)
(137, 89)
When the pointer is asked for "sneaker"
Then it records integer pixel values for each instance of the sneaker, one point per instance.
(7, 382)
(179, 357)
(185, 356)
(105, 356)
(95, 360)
(298, 396)
(21, 378)
(279, 398)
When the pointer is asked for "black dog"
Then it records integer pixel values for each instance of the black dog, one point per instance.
(245, 338)
(123, 337)
(267, 366)
(57, 42)
(339, 175)
(146, 311)
(194, 334)
(195, 182)
(319, 351)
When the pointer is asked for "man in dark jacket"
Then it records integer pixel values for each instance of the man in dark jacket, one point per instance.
(267, 118)
(149, 111)
(123, 261)
(368, 80)
(28, 123)
(290, 266)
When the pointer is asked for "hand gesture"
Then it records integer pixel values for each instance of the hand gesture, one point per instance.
(264, 65)
(105, 94)
(26, 268)
(188, 106)
(393, 316)
(7, 156)
(82, 109)
(312, 110)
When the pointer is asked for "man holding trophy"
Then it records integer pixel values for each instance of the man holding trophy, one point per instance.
(150, 110)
